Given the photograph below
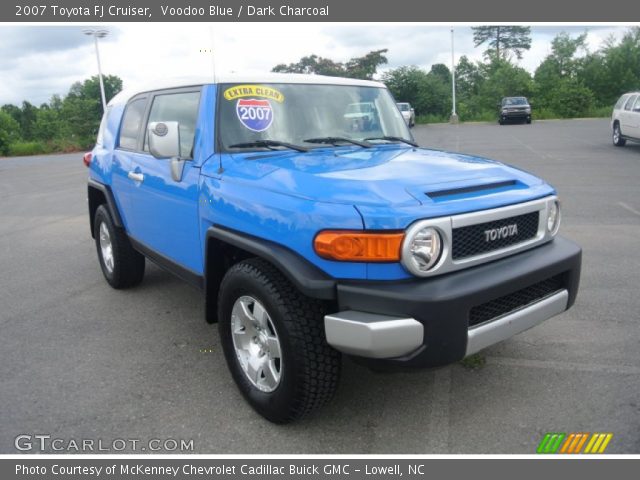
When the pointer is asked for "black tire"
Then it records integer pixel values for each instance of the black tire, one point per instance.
(128, 264)
(528, 121)
(618, 141)
(501, 122)
(310, 368)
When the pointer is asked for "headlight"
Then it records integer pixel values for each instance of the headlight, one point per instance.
(553, 217)
(527, 110)
(421, 250)
(505, 111)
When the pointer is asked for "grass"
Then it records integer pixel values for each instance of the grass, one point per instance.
(474, 362)
(490, 116)
(22, 149)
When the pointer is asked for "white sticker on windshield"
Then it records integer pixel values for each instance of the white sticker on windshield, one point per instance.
(255, 114)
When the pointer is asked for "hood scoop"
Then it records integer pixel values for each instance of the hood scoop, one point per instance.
(473, 190)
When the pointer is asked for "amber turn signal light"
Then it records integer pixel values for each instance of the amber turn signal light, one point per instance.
(358, 246)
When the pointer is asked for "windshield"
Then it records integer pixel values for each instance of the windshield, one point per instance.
(404, 107)
(294, 113)
(514, 101)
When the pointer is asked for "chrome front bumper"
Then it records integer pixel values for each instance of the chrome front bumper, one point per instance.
(381, 336)
(372, 336)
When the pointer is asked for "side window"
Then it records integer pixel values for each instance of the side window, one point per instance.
(636, 107)
(627, 106)
(620, 102)
(177, 107)
(131, 124)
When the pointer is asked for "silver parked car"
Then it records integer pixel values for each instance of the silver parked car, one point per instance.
(408, 113)
(625, 119)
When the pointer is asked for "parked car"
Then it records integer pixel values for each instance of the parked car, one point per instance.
(514, 109)
(625, 119)
(408, 113)
(310, 240)
(361, 117)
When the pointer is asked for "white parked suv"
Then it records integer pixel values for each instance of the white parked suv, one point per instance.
(625, 120)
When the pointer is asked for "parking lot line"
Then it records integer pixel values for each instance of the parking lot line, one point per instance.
(629, 208)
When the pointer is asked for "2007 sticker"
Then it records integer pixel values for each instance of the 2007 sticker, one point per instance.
(255, 114)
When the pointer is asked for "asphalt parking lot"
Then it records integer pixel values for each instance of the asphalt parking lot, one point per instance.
(79, 360)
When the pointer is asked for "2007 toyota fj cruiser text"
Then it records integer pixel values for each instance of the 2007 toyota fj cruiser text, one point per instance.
(313, 231)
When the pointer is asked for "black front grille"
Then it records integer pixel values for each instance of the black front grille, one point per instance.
(514, 301)
(486, 237)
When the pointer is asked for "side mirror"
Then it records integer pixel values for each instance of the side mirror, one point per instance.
(164, 142)
(164, 139)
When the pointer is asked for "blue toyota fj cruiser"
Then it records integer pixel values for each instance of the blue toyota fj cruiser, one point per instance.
(313, 231)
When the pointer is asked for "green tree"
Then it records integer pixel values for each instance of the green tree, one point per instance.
(441, 72)
(557, 76)
(503, 79)
(28, 118)
(570, 99)
(14, 111)
(435, 94)
(614, 69)
(428, 93)
(405, 84)
(502, 40)
(563, 51)
(81, 109)
(469, 80)
(90, 88)
(49, 124)
(363, 67)
(9, 131)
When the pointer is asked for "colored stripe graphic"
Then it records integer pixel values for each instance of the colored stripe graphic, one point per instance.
(572, 443)
(598, 443)
(551, 442)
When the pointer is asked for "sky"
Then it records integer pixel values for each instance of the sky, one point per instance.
(37, 62)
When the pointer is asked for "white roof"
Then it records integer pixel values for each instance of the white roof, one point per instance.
(164, 84)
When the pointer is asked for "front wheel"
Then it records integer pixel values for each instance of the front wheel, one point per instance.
(274, 343)
(618, 141)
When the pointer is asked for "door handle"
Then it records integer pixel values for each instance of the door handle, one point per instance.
(137, 177)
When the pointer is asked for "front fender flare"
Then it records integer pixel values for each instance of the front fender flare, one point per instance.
(306, 277)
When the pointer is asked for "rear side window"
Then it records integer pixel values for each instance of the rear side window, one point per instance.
(181, 107)
(620, 102)
(131, 122)
(630, 102)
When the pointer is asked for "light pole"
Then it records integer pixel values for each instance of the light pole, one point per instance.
(454, 115)
(96, 34)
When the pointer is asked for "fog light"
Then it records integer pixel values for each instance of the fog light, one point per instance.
(553, 218)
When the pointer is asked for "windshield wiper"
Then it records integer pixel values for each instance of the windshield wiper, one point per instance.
(336, 140)
(269, 144)
(394, 139)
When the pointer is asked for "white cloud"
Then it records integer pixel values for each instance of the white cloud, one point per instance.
(39, 61)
